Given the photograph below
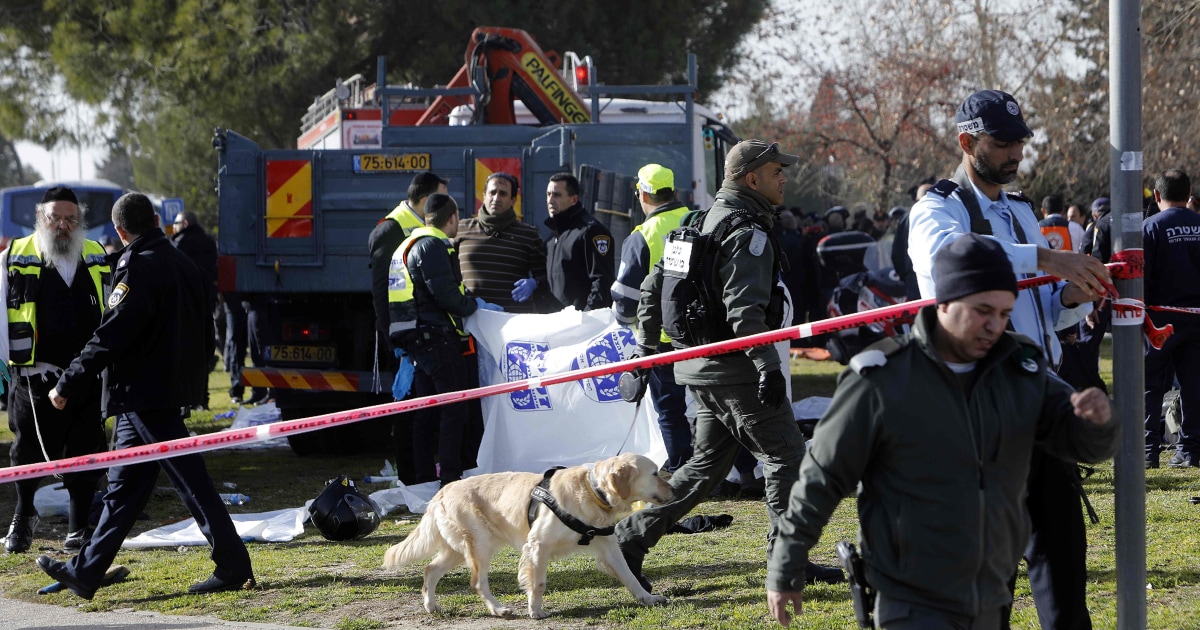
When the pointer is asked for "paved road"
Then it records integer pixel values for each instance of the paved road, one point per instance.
(19, 615)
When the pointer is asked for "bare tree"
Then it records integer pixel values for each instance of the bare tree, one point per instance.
(880, 80)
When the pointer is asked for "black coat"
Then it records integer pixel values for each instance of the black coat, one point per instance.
(1097, 240)
(579, 260)
(146, 343)
(382, 243)
(202, 249)
(436, 278)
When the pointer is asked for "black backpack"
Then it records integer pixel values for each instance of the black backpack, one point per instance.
(693, 312)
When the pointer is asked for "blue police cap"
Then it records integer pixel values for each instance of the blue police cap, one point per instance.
(993, 112)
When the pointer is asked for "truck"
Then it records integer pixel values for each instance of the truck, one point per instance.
(293, 223)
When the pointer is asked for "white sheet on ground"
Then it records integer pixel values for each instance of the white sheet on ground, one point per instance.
(277, 526)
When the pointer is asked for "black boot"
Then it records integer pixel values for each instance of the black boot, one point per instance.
(20, 533)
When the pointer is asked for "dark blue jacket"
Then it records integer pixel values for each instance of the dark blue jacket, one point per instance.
(579, 260)
(150, 342)
(1171, 240)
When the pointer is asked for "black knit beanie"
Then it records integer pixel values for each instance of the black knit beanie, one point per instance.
(971, 264)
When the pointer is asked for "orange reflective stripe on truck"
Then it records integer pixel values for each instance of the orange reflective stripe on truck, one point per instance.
(316, 380)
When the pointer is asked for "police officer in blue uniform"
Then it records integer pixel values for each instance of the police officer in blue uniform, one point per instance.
(1171, 239)
(149, 351)
(992, 135)
(579, 254)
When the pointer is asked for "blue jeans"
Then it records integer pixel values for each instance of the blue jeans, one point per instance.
(670, 401)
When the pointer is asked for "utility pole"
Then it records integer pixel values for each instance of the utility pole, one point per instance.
(1129, 367)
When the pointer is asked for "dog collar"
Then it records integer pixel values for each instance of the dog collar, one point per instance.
(541, 494)
(598, 494)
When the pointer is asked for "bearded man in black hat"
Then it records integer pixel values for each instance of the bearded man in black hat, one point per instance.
(55, 286)
(939, 427)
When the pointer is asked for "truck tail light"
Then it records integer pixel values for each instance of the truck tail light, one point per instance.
(294, 331)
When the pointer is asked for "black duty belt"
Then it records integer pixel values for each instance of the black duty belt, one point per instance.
(541, 494)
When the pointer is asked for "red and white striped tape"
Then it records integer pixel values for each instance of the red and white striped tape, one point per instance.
(229, 437)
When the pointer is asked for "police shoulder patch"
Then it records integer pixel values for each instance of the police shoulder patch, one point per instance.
(944, 187)
(603, 243)
(868, 359)
(118, 294)
(758, 242)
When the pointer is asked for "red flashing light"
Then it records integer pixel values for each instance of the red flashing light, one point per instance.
(351, 115)
(581, 75)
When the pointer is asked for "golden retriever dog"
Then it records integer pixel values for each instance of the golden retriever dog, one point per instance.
(469, 520)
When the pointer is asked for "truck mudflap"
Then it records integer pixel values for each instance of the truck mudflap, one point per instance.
(315, 380)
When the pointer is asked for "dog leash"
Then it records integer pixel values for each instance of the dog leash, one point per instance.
(637, 410)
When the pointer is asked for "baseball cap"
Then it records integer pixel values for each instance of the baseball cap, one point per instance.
(748, 155)
(1099, 203)
(993, 112)
(838, 210)
(59, 193)
(655, 179)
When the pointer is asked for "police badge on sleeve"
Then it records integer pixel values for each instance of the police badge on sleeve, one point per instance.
(118, 293)
(602, 244)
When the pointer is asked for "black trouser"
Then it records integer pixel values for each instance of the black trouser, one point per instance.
(259, 318)
(1089, 345)
(76, 430)
(235, 342)
(450, 432)
(896, 614)
(130, 488)
(1177, 360)
(1057, 552)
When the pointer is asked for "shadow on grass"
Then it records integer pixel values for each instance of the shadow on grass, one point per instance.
(1158, 578)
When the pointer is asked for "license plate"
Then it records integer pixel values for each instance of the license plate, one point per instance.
(380, 163)
(301, 354)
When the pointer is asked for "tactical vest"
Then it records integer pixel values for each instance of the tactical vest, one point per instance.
(24, 279)
(406, 217)
(402, 299)
(654, 231)
(693, 309)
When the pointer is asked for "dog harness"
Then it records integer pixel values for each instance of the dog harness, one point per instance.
(541, 494)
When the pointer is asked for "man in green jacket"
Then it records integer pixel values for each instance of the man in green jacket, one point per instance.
(939, 428)
(741, 396)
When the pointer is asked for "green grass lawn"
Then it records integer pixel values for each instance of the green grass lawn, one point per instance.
(713, 580)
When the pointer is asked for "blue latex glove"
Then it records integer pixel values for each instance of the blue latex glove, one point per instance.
(404, 376)
(488, 306)
(523, 289)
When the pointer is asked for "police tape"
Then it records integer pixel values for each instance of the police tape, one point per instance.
(229, 437)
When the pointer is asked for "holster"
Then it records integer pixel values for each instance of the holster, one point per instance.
(862, 596)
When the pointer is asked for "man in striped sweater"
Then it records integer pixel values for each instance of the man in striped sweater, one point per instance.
(503, 260)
